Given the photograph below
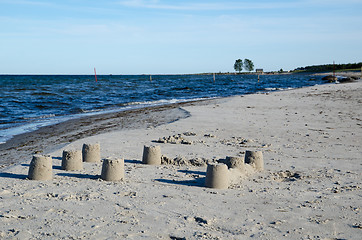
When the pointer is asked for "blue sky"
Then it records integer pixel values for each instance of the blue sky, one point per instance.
(164, 36)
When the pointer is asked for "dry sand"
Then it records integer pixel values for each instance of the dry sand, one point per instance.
(310, 188)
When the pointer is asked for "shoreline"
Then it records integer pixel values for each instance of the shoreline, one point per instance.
(26, 144)
(357, 74)
(37, 124)
(311, 187)
(25, 127)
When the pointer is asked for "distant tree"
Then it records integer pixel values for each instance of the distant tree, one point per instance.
(248, 65)
(330, 67)
(281, 70)
(238, 65)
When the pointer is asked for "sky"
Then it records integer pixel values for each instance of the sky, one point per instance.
(172, 36)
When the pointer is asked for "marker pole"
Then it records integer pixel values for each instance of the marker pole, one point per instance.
(95, 74)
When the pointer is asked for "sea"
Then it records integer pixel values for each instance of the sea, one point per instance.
(29, 102)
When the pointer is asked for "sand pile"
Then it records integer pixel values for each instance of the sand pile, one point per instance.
(177, 139)
(182, 161)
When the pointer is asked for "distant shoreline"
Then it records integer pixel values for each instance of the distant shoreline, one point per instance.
(340, 72)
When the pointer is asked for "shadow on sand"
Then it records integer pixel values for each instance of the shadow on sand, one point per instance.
(57, 167)
(79, 175)
(198, 182)
(13, 175)
(133, 161)
(193, 172)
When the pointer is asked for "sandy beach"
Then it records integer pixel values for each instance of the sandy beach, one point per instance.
(310, 188)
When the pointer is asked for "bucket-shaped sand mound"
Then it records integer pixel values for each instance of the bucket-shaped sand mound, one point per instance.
(41, 168)
(217, 176)
(112, 169)
(91, 152)
(72, 160)
(151, 155)
(255, 158)
(235, 162)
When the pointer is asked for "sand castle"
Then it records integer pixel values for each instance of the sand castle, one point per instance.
(91, 152)
(221, 175)
(41, 168)
(255, 158)
(112, 169)
(218, 175)
(235, 162)
(151, 155)
(72, 160)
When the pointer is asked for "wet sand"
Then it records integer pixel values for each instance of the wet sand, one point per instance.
(47, 138)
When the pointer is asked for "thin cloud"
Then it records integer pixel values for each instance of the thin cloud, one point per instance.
(20, 2)
(212, 6)
(206, 6)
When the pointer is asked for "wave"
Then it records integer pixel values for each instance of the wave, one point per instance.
(270, 89)
(39, 117)
(159, 102)
(78, 110)
(277, 89)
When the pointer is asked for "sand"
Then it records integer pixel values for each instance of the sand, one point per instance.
(310, 187)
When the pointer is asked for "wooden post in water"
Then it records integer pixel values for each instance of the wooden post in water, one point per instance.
(214, 76)
(95, 74)
(258, 77)
(150, 78)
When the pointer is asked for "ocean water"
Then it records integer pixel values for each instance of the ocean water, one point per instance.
(31, 101)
